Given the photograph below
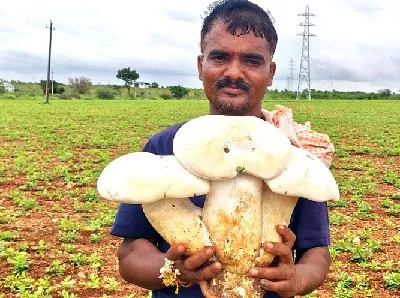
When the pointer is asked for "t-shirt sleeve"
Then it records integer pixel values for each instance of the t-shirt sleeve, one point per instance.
(130, 221)
(310, 223)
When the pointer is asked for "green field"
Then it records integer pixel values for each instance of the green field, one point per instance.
(54, 228)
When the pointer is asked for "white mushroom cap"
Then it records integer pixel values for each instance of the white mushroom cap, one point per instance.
(305, 176)
(219, 147)
(143, 177)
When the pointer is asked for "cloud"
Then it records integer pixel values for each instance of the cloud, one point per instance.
(21, 62)
(181, 15)
(356, 44)
(64, 66)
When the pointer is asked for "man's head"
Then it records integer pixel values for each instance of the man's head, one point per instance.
(238, 41)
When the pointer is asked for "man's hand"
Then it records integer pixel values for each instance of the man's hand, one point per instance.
(281, 279)
(195, 267)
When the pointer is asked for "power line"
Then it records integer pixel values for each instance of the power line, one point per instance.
(48, 63)
(304, 73)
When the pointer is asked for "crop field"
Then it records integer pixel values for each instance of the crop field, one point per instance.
(54, 228)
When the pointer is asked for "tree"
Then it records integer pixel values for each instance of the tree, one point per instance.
(2, 89)
(179, 91)
(81, 85)
(128, 76)
(154, 85)
(384, 92)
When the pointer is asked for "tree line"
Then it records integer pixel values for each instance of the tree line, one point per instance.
(82, 85)
(334, 94)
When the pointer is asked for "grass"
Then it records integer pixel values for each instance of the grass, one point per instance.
(54, 239)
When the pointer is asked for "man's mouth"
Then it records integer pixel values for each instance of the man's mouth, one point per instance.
(233, 89)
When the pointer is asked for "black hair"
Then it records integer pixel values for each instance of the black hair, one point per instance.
(242, 17)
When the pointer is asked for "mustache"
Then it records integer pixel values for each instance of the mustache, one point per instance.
(226, 82)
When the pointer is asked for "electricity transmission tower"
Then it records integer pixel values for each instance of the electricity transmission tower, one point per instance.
(291, 76)
(304, 74)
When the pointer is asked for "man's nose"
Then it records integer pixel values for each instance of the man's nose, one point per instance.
(234, 70)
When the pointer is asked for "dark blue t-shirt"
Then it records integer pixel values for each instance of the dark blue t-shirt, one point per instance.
(309, 221)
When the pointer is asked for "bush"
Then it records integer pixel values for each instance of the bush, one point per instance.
(2, 89)
(81, 85)
(141, 94)
(57, 88)
(165, 96)
(105, 94)
(69, 96)
(8, 95)
(179, 91)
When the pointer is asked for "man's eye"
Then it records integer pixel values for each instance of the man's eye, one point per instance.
(253, 62)
(219, 58)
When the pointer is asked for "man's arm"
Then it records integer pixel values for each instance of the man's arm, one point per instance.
(312, 269)
(140, 262)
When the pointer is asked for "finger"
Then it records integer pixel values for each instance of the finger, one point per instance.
(273, 273)
(205, 289)
(209, 272)
(199, 258)
(283, 251)
(288, 237)
(283, 288)
(176, 252)
(205, 273)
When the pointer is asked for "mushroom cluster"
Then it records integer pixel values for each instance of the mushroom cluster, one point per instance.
(252, 178)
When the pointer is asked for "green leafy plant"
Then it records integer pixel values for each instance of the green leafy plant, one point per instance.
(56, 268)
(7, 235)
(78, 259)
(19, 261)
(392, 280)
(110, 283)
(41, 247)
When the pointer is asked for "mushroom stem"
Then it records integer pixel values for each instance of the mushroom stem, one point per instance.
(178, 221)
(233, 215)
(277, 210)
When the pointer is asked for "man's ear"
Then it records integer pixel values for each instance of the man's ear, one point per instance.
(200, 66)
(272, 70)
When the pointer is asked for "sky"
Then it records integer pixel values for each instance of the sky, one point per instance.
(357, 46)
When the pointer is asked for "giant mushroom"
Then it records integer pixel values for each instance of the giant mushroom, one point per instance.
(252, 178)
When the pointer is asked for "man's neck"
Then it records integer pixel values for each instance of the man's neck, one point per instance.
(258, 113)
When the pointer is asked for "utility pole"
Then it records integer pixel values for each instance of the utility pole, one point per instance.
(48, 64)
(304, 74)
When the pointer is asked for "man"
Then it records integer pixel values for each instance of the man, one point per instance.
(238, 41)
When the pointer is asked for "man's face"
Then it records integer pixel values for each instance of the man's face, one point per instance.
(235, 71)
